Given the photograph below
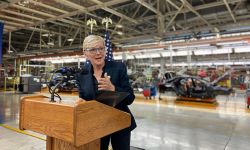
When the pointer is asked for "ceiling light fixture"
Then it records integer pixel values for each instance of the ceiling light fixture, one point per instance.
(119, 26)
(120, 33)
(46, 34)
(51, 43)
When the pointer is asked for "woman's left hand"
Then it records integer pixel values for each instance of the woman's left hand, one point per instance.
(105, 83)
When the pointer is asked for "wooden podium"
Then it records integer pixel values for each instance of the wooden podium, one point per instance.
(71, 126)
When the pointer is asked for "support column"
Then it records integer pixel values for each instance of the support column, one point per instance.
(171, 56)
(40, 40)
(79, 62)
(9, 50)
(162, 63)
(189, 59)
(60, 38)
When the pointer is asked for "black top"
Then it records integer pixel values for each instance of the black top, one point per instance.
(88, 86)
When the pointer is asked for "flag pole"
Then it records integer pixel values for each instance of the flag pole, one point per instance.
(108, 46)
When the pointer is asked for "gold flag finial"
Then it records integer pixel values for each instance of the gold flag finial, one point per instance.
(91, 22)
(107, 21)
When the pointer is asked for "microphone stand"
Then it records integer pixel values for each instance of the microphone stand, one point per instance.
(53, 92)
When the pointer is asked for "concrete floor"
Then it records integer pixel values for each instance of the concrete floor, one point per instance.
(163, 125)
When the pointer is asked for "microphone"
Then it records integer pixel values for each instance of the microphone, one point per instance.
(67, 75)
(54, 93)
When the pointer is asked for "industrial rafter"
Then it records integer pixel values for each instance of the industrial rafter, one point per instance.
(48, 6)
(99, 4)
(20, 14)
(15, 19)
(173, 4)
(3, 6)
(42, 21)
(150, 7)
(190, 7)
(154, 10)
(171, 21)
(104, 7)
(153, 19)
(206, 6)
(45, 14)
(229, 10)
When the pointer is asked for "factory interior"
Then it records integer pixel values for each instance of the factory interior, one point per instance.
(187, 63)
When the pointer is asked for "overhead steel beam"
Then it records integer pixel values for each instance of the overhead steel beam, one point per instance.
(229, 10)
(159, 14)
(84, 9)
(226, 26)
(29, 40)
(61, 24)
(236, 7)
(150, 7)
(70, 22)
(136, 11)
(32, 10)
(208, 16)
(77, 31)
(72, 5)
(195, 12)
(75, 6)
(104, 7)
(5, 30)
(245, 17)
(171, 21)
(112, 11)
(200, 7)
(91, 8)
(205, 6)
(160, 17)
(173, 4)
(8, 27)
(57, 10)
(3, 6)
(45, 14)
(119, 14)
(219, 14)
(218, 3)
(20, 14)
(48, 6)
(15, 19)
(44, 30)
(80, 8)
(13, 23)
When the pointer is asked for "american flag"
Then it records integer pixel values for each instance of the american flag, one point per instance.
(109, 54)
(1, 36)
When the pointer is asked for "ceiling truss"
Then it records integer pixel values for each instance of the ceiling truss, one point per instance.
(143, 20)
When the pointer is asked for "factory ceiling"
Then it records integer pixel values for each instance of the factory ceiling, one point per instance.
(53, 26)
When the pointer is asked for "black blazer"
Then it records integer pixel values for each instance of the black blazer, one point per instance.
(87, 86)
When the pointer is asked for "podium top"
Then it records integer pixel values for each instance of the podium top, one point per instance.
(45, 99)
(76, 123)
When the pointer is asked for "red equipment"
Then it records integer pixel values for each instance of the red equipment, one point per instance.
(146, 92)
(248, 97)
(248, 101)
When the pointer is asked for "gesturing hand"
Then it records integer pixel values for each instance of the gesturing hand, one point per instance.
(105, 83)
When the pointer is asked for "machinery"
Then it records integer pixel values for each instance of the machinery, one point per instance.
(30, 84)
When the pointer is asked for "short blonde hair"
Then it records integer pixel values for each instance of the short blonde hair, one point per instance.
(91, 40)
